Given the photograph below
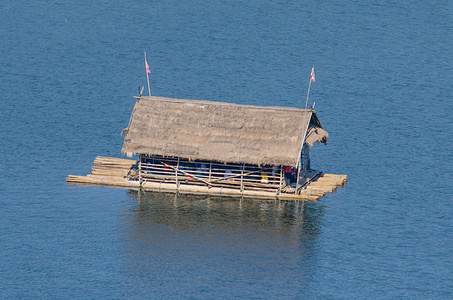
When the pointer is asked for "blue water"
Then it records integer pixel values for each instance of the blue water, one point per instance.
(383, 91)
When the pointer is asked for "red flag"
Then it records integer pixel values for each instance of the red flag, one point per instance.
(312, 75)
(147, 67)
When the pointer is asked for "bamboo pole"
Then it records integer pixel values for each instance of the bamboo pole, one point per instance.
(210, 170)
(140, 170)
(297, 177)
(306, 102)
(242, 177)
(235, 176)
(176, 171)
(185, 173)
(309, 85)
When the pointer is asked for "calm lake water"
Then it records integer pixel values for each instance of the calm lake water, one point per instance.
(383, 91)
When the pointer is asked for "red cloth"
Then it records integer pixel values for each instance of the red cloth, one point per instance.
(147, 67)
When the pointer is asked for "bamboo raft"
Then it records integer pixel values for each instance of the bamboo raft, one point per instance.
(118, 172)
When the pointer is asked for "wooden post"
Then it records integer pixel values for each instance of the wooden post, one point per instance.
(242, 176)
(140, 171)
(176, 171)
(210, 168)
(281, 178)
(297, 180)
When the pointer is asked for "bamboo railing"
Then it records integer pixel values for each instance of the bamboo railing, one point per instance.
(211, 174)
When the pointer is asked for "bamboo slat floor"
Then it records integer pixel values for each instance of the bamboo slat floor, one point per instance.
(115, 172)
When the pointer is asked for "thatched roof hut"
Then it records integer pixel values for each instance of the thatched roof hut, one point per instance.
(223, 132)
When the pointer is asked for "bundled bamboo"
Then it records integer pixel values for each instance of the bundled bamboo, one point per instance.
(114, 162)
(326, 183)
(96, 170)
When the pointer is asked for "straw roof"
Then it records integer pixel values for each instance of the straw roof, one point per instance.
(224, 132)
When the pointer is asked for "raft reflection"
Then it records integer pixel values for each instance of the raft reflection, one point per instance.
(295, 222)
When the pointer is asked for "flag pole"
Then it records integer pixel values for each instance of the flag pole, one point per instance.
(147, 76)
(312, 78)
(299, 162)
(306, 102)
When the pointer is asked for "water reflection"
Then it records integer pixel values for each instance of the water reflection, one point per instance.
(186, 211)
(172, 237)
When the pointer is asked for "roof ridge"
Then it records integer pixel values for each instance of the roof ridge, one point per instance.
(219, 103)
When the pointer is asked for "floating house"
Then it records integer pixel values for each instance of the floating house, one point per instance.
(193, 146)
(208, 145)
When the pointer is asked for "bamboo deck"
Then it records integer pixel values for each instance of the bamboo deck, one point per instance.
(113, 172)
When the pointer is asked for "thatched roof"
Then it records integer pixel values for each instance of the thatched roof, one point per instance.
(224, 132)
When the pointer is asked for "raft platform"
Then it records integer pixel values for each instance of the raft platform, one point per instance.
(119, 172)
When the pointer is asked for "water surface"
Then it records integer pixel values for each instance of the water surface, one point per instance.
(383, 91)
